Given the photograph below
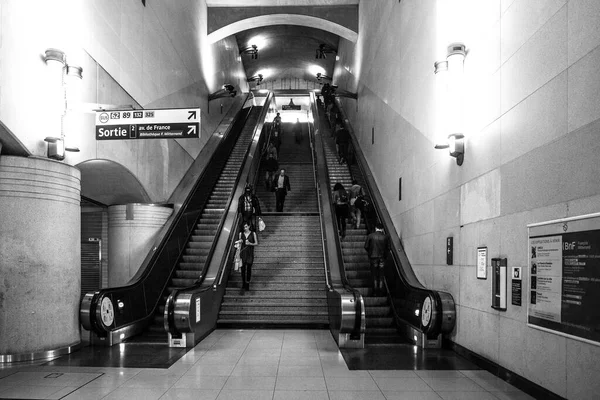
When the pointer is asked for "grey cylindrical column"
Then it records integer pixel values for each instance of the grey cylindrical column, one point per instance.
(132, 230)
(40, 255)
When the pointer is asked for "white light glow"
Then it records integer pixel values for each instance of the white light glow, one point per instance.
(258, 41)
(293, 116)
(267, 72)
(316, 69)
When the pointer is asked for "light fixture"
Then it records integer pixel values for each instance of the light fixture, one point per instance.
(56, 58)
(323, 50)
(252, 50)
(256, 78)
(228, 90)
(322, 76)
(449, 74)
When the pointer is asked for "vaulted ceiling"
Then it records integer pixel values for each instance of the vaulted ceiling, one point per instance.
(287, 45)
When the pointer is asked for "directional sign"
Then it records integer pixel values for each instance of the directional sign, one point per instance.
(178, 123)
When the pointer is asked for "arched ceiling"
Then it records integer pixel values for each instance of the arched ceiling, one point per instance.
(288, 52)
(109, 183)
(290, 33)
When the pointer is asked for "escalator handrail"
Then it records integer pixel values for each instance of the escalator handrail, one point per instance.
(402, 266)
(200, 285)
(359, 321)
(312, 138)
(156, 251)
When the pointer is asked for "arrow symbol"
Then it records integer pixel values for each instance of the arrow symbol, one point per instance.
(192, 114)
(191, 129)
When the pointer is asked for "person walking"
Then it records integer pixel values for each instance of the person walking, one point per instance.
(340, 199)
(281, 185)
(249, 241)
(249, 206)
(355, 192)
(342, 139)
(377, 246)
(298, 131)
(271, 167)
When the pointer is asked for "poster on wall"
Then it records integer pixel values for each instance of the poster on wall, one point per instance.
(564, 277)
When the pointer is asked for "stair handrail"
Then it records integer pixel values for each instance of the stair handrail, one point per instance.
(90, 304)
(444, 307)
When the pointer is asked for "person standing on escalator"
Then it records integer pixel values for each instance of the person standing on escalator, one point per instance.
(340, 199)
(377, 246)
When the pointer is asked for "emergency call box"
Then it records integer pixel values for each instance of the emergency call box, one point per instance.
(499, 277)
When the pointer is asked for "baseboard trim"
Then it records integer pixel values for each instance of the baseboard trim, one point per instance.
(527, 386)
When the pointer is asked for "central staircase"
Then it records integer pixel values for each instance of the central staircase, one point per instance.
(288, 276)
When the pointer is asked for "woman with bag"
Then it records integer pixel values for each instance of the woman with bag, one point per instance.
(340, 199)
(249, 240)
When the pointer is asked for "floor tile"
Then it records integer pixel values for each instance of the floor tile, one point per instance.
(89, 393)
(453, 384)
(299, 371)
(439, 374)
(355, 383)
(356, 395)
(227, 394)
(250, 383)
(135, 394)
(190, 394)
(466, 395)
(210, 370)
(300, 395)
(405, 384)
(29, 392)
(255, 370)
(165, 381)
(300, 383)
(201, 382)
(393, 374)
(64, 391)
(407, 395)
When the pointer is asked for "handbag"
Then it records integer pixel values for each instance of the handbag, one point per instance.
(237, 258)
(261, 224)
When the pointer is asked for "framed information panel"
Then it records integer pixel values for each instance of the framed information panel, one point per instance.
(564, 277)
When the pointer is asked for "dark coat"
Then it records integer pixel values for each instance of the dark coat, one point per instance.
(286, 183)
(377, 245)
(255, 204)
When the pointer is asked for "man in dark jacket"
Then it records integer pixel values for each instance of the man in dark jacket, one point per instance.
(377, 246)
(249, 207)
(281, 185)
(342, 139)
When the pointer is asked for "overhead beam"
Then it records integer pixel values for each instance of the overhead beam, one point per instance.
(282, 19)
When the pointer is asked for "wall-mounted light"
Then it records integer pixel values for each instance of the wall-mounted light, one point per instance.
(256, 78)
(57, 59)
(323, 50)
(321, 76)
(227, 90)
(252, 50)
(449, 76)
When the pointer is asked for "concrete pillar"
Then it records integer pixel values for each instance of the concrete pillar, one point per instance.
(40, 255)
(132, 231)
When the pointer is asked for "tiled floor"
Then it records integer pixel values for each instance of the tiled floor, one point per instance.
(253, 365)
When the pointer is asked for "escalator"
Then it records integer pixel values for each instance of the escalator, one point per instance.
(135, 313)
(396, 317)
(192, 262)
(380, 325)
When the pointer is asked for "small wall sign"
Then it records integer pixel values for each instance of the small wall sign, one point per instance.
(482, 263)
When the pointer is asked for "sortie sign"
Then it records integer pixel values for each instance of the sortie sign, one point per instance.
(177, 123)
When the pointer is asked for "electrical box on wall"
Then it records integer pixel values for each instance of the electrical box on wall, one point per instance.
(499, 270)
